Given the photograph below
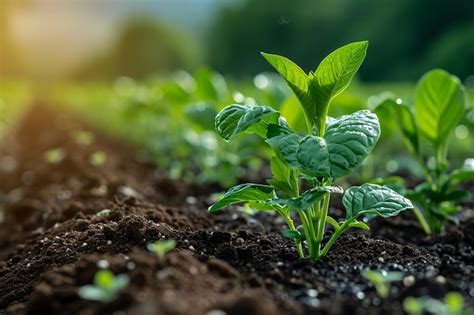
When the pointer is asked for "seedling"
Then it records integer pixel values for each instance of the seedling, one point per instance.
(98, 158)
(332, 148)
(162, 247)
(105, 288)
(54, 156)
(103, 213)
(382, 280)
(453, 304)
(439, 105)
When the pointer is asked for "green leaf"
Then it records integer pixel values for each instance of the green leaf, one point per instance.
(375, 200)
(439, 104)
(334, 74)
(406, 122)
(104, 278)
(235, 119)
(306, 153)
(308, 198)
(284, 178)
(293, 234)
(350, 138)
(460, 176)
(93, 293)
(297, 79)
(243, 193)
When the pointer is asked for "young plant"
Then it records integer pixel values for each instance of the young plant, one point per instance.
(382, 280)
(332, 148)
(439, 105)
(452, 304)
(105, 288)
(161, 247)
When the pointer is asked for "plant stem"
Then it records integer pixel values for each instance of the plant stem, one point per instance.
(321, 223)
(309, 232)
(421, 218)
(334, 237)
(291, 225)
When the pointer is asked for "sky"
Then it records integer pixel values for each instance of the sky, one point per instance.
(61, 33)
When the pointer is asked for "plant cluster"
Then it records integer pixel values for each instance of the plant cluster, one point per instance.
(452, 304)
(105, 288)
(330, 149)
(427, 125)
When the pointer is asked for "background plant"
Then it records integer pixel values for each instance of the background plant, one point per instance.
(382, 280)
(105, 288)
(427, 128)
(331, 148)
(452, 304)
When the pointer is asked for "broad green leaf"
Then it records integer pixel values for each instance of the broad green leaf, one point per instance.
(439, 104)
(350, 138)
(313, 156)
(284, 178)
(297, 79)
(235, 119)
(308, 198)
(243, 193)
(406, 121)
(334, 74)
(375, 200)
(306, 153)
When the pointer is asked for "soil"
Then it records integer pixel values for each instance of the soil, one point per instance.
(52, 241)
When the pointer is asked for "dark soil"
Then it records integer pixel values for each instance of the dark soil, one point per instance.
(52, 241)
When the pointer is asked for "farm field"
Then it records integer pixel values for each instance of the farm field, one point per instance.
(273, 185)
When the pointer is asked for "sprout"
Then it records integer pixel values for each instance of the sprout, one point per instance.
(161, 247)
(105, 288)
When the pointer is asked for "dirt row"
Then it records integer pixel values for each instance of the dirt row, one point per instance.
(52, 241)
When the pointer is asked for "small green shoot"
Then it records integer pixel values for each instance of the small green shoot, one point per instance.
(332, 148)
(452, 304)
(105, 288)
(98, 158)
(84, 138)
(161, 247)
(54, 156)
(103, 213)
(382, 280)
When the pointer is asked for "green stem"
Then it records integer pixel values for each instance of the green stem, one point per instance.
(334, 237)
(321, 223)
(291, 225)
(421, 218)
(309, 232)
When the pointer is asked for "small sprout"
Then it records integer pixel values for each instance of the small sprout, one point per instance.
(161, 247)
(105, 288)
(54, 156)
(452, 304)
(98, 158)
(103, 213)
(84, 137)
(382, 280)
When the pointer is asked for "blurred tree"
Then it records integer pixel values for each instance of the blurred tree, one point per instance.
(143, 48)
(403, 35)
